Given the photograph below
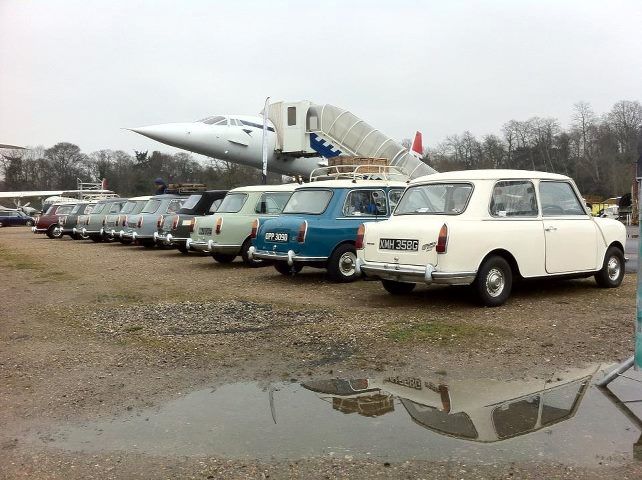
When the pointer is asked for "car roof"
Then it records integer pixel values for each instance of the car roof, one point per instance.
(354, 183)
(144, 197)
(489, 174)
(286, 187)
(111, 200)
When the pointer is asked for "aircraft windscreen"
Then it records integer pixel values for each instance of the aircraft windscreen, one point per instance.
(216, 120)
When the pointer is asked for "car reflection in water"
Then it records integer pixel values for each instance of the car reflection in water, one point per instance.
(481, 411)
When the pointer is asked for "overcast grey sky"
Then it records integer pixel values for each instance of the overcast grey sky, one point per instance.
(78, 71)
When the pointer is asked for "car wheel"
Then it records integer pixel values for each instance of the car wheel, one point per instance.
(284, 269)
(96, 238)
(494, 281)
(223, 257)
(250, 262)
(125, 241)
(342, 264)
(397, 288)
(28, 223)
(182, 248)
(56, 231)
(612, 272)
(148, 243)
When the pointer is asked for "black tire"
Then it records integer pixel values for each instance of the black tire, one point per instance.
(148, 243)
(223, 257)
(125, 241)
(398, 288)
(29, 223)
(342, 264)
(96, 238)
(250, 262)
(284, 269)
(182, 248)
(494, 281)
(612, 272)
(54, 232)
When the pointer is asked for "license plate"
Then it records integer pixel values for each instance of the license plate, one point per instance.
(398, 244)
(205, 231)
(276, 237)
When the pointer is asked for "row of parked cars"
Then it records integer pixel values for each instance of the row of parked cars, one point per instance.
(485, 228)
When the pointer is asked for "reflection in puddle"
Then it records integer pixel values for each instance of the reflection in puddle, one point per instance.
(393, 418)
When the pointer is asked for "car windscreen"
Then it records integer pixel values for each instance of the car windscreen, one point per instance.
(64, 209)
(232, 203)
(435, 199)
(99, 207)
(151, 206)
(190, 203)
(313, 201)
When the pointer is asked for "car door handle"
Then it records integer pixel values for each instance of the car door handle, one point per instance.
(550, 229)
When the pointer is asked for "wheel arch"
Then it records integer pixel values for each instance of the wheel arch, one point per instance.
(506, 255)
(615, 244)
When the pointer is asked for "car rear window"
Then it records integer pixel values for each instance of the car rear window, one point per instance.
(128, 207)
(78, 208)
(191, 201)
(272, 202)
(99, 207)
(435, 199)
(308, 201)
(138, 207)
(232, 203)
(151, 206)
(64, 209)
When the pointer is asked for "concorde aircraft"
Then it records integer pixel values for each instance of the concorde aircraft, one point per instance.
(301, 136)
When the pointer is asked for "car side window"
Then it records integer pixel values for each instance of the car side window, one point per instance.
(365, 202)
(174, 206)
(513, 198)
(558, 198)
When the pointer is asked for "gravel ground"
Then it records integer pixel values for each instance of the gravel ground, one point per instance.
(88, 330)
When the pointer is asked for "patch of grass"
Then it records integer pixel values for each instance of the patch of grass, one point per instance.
(118, 297)
(439, 332)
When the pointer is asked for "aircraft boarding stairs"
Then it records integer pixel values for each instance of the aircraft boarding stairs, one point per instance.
(310, 130)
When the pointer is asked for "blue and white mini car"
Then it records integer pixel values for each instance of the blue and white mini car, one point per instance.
(318, 226)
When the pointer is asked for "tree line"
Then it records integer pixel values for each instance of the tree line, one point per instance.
(598, 151)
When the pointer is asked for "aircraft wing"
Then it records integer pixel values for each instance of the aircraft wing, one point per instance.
(48, 193)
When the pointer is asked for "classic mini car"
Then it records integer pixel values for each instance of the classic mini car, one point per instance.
(114, 223)
(91, 225)
(486, 228)
(142, 226)
(15, 218)
(175, 229)
(49, 222)
(68, 222)
(318, 226)
(226, 234)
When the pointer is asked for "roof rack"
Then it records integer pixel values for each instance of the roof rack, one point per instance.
(358, 172)
(186, 188)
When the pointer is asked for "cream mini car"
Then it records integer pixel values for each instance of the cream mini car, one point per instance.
(486, 228)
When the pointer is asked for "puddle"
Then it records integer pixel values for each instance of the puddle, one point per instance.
(565, 419)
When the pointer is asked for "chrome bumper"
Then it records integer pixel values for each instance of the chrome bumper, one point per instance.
(289, 257)
(414, 273)
(199, 246)
(167, 238)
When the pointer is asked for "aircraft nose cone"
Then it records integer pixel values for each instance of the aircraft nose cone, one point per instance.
(169, 133)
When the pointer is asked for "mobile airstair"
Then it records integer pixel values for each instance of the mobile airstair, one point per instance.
(305, 129)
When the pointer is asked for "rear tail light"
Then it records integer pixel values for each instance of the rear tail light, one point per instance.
(219, 225)
(140, 222)
(255, 228)
(442, 241)
(160, 221)
(358, 244)
(125, 218)
(87, 221)
(192, 225)
(303, 230)
(175, 222)
(103, 222)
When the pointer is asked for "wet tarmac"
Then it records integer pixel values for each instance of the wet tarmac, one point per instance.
(564, 419)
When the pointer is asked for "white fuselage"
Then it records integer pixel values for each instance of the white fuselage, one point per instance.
(238, 139)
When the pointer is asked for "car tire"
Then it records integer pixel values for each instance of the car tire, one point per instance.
(28, 223)
(125, 241)
(96, 238)
(397, 288)
(342, 264)
(612, 272)
(494, 281)
(148, 243)
(245, 255)
(54, 232)
(223, 257)
(181, 247)
(284, 269)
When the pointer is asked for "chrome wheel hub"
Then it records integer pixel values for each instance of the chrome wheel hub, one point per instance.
(613, 268)
(495, 282)
(347, 264)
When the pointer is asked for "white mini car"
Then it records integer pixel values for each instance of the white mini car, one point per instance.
(486, 228)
